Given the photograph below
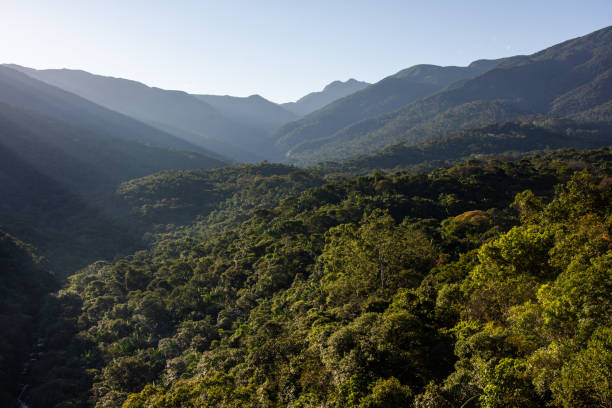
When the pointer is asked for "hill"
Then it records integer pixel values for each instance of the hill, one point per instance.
(180, 197)
(316, 100)
(571, 79)
(387, 95)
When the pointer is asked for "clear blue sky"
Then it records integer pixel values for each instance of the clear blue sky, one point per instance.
(279, 49)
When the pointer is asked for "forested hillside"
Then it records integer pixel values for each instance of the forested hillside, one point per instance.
(476, 283)
(24, 281)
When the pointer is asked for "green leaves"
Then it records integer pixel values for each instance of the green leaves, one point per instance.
(539, 305)
(378, 257)
(376, 291)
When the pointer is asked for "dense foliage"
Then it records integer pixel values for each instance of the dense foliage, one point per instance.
(177, 197)
(24, 280)
(479, 282)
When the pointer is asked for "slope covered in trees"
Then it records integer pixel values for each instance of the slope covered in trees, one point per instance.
(571, 79)
(178, 197)
(24, 281)
(479, 282)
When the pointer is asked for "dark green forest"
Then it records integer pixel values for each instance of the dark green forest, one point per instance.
(486, 284)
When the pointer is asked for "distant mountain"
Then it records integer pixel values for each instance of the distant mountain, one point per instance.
(571, 79)
(19, 90)
(387, 95)
(253, 111)
(176, 112)
(316, 100)
(64, 135)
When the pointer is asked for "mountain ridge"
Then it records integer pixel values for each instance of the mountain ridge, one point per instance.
(520, 86)
(198, 122)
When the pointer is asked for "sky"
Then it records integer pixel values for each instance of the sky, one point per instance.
(281, 50)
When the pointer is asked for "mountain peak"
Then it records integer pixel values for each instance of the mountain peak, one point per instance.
(339, 84)
(257, 97)
(330, 93)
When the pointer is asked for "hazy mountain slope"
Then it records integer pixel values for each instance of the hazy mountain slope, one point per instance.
(569, 79)
(83, 160)
(387, 95)
(57, 183)
(61, 158)
(316, 100)
(24, 91)
(253, 111)
(195, 120)
(82, 145)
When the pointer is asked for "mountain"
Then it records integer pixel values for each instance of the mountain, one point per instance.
(254, 111)
(316, 100)
(571, 79)
(82, 160)
(175, 112)
(19, 90)
(72, 139)
(387, 95)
